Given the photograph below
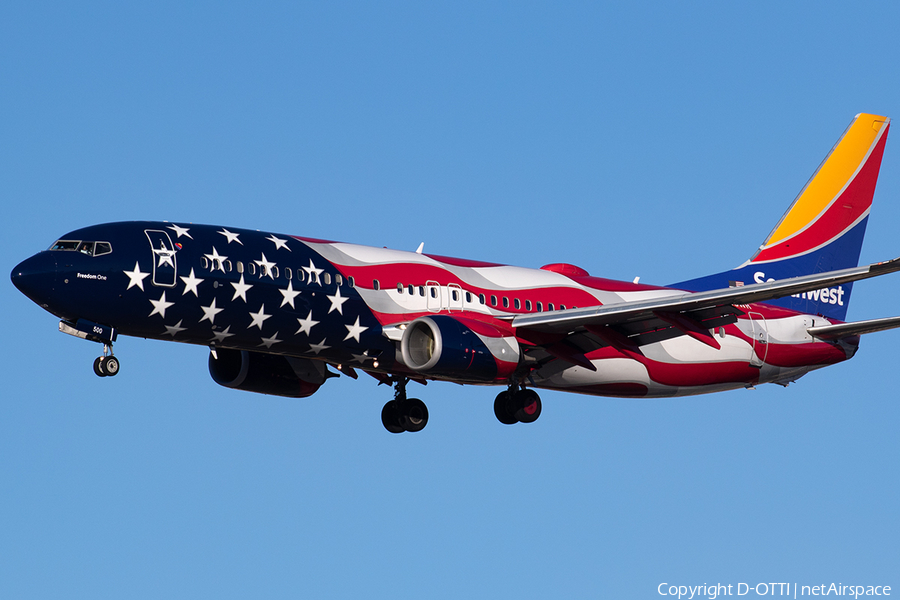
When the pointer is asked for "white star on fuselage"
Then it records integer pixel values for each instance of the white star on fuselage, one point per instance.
(165, 255)
(219, 336)
(160, 306)
(279, 243)
(289, 295)
(136, 277)
(191, 283)
(217, 260)
(176, 328)
(316, 348)
(259, 318)
(354, 330)
(231, 237)
(337, 302)
(265, 266)
(180, 231)
(210, 312)
(268, 342)
(312, 270)
(306, 324)
(240, 289)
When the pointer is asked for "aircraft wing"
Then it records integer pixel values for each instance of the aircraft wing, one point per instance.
(690, 313)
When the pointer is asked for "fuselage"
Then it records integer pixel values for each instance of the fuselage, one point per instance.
(348, 305)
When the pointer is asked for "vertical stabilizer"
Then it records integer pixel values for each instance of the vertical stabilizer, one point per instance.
(824, 227)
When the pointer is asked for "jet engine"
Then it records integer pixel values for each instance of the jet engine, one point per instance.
(267, 373)
(459, 348)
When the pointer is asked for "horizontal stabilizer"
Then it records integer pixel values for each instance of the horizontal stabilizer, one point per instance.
(836, 332)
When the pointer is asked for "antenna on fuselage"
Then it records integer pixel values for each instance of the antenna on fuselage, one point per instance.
(420, 248)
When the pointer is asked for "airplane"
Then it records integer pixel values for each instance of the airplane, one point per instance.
(281, 314)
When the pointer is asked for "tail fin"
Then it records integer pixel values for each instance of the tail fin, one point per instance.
(824, 227)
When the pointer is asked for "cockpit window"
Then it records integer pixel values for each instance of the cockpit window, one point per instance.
(89, 248)
(64, 245)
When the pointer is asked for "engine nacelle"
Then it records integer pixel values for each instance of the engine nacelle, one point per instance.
(459, 348)
(267, 373)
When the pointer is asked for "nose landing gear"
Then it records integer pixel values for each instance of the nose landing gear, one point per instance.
(402, 413)
(517, 406)
(106, 365)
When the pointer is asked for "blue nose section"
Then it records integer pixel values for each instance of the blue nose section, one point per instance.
(36, 277)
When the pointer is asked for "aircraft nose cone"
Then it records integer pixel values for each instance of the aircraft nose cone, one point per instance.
(36, 277)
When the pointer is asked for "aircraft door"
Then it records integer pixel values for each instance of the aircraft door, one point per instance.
(163, 257)
(456, 297)
(760, 334)
(433, 296)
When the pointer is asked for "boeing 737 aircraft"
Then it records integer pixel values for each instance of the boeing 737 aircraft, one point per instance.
(281, 314)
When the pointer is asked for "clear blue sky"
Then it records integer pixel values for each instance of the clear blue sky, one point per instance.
(662, 140)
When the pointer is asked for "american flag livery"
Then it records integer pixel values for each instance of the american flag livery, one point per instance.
(281, 313)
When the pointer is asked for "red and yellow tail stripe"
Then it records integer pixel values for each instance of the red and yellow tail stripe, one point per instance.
(838, 196)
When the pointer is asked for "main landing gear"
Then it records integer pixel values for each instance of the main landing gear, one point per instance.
(517, 406)
(402, 413)
(106, 365)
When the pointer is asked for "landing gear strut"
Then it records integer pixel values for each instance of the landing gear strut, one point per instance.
(517, 406)
(402, 413)
(106, 365)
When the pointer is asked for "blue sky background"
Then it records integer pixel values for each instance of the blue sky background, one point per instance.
(661, 140)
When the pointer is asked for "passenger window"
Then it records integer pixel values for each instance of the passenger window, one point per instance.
(411, 289)
(540, 307)
(204, 262)
(481, 298)
(376, 285)
(550, 306)
(422, 290)
(469, 297)
(562, 307)
(102, 248)
(493, 300)
(399, 288)
(240, 267)
(517, 303)
(432, 291)
(455, 295)
(228, 266)
(327, 278)
(505, 302)
(287, 273)
(528, 305)
(301, 275)
(351, 282)
(251, 268)
(338, 279)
